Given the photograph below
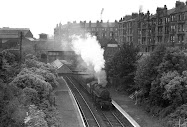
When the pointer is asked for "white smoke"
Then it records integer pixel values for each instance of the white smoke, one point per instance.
(92, 54)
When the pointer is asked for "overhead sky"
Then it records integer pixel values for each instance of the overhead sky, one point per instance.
(41, 16)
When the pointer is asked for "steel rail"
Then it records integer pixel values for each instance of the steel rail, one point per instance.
(85, 103)
(118, 120)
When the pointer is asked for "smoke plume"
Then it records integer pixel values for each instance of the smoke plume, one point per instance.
(90, 51)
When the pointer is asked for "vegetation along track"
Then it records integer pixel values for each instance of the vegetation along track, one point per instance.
(88, 116)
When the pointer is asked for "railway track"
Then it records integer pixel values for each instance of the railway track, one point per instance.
(112, 118)
(88, 116)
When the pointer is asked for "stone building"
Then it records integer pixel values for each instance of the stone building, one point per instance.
(111, 49)
(167, 26)
(127, 29)
(147, 30)
(102, 30)
(10, 37)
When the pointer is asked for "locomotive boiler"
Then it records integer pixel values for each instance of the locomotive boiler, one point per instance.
(100, 95)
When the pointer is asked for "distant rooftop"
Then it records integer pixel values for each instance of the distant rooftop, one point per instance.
(7, 32)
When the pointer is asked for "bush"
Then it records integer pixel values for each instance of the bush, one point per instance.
(35, 118)
(180, 113)
(32, 81)
(163, 79)
(49, 77)
(8, 66)
(29, 96)
(30, 63)
(31, 86)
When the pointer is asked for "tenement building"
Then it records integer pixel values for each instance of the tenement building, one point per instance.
(168, 26)
(127, 29)
(104, 31)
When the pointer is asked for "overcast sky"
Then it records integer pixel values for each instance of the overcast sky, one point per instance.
(41, 16)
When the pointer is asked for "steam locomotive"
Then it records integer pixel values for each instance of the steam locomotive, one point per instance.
(100, 94)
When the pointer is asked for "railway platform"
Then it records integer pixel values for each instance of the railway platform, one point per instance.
(137, 116)
(69, 113)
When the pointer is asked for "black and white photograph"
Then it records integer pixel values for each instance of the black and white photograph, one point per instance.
(93, 63)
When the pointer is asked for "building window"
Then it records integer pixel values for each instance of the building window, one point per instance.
(166, 30)
(130, 30)
(143, 40)
(160, 30)
(160, 21)
(172, 38)
(111, 29)
(172, 18)
(116, 34)
(93, 29)
(111, 34)
(53, 53)
(159, 39)
(166, 20)
(180, 28)
(104, 35)
(172, 28)
(139, 32)
(180, 38)
(180, 17)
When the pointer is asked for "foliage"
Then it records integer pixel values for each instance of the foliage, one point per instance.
(32, 81)
(123, 66)
(168, 86)
(33, 85)
(29, 63)
(162, 77)
(8, 66)
(35, 118)
(147, 69)
(11, 58)
(29, 96)
(49, 77)
(31, 56)
(179, 114)
(173, 59)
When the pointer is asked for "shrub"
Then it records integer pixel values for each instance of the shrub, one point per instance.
(32, 81)
(180, 113)
(49, 77)
(29, 96)
(35, 118)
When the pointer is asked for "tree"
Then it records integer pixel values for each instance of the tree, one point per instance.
(147, 69)
(123, 66)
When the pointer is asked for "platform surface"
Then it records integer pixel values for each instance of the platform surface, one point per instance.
(135, 113)
(67, 107)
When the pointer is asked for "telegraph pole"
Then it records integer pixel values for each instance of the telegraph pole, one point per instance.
(20, 44)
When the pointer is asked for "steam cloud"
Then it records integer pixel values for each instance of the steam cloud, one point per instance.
(91, 53)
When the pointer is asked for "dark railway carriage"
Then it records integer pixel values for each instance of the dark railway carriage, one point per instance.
(100, 95)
